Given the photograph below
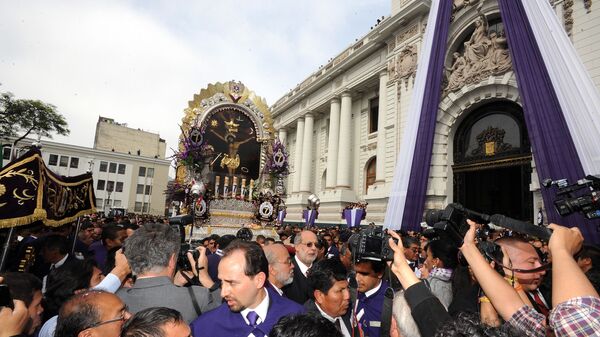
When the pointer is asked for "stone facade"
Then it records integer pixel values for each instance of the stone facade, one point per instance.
(325, 121)
(118, 137)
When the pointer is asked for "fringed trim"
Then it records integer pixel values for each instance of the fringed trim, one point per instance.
(38, 214)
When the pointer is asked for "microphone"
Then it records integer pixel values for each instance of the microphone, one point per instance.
(521, 226)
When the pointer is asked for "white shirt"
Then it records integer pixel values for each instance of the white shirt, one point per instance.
(303, 267)
(344, 331)
(261, 310)
(374, 290)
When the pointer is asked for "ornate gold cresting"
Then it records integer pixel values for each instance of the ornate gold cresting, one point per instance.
(236, 96)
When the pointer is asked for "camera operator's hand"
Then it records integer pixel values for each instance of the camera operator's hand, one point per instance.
(568, 280)
(563, 238)
(13, 321)
(121, 269)
(202, 267)
(469, 239)
(400, 266)
(501, 294)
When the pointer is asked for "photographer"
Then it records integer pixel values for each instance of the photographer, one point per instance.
(13, 321)
(576, 305)
(152, 252)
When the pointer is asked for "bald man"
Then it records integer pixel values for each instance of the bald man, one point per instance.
(281, 268)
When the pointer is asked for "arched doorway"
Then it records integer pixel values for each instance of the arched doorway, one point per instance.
(492, 162)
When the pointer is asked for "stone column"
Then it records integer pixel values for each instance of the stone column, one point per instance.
(307, 153)
(380, 164)
(332, 143)
(298, 154)
(344, 159)
(282, 135)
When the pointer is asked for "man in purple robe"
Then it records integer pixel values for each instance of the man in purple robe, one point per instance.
(250, 310)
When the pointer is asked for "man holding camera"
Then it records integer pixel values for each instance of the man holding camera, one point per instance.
(152, 253)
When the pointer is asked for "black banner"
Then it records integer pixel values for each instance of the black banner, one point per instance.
(29, 192)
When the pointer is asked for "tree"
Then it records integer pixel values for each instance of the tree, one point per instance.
(20, 117)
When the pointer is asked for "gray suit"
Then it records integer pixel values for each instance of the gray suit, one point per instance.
(161, 292)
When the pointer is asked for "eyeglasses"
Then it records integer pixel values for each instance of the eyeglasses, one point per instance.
(118, 319)
(310, 244)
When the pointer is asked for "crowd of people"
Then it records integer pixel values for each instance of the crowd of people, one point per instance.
(130, 277)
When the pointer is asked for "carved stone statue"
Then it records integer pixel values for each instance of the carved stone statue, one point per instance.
(485, 54)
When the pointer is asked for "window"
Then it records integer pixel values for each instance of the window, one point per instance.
(371, 173)
(145, 208)
(103, 166)
(148, 190)
(117, 203)
(112, 168)
(52, 161)
(64, 161)
(100, 185)
(142, 172)
(121, 169)
(119, 187)
(74, 162)
(138, 207)
(98, 201)
(139, 189)
(373, 114)
(150, 172)
(110, 186)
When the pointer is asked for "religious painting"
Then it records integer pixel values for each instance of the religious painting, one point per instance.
(233, 136)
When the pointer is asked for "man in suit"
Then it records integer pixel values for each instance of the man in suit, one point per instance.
(152, 253)
(305, 244)
(249, 308)
(327, 279)
(281, 268)
(156, 322)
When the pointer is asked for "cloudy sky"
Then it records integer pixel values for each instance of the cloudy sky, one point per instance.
(139, 62)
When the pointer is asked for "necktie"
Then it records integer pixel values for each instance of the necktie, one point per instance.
(541, 306)
(252, 317)
(338, 325)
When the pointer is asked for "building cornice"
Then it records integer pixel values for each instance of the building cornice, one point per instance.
(357, 52)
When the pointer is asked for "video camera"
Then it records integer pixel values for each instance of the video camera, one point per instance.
(567, 203)
(371, 244)
(451, 223)
(178, 223)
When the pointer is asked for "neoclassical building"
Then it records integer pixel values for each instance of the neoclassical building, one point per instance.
(343, 125)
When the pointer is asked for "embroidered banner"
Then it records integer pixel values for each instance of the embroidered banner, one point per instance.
(29, 192)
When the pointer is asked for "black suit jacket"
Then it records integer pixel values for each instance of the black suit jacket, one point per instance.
(298, 291)
(310, 306)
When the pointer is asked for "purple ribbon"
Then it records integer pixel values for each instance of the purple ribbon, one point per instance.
(309, 216)
(280, 216)
(353, 216)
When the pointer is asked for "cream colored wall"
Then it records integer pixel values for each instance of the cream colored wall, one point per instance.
(123, 139)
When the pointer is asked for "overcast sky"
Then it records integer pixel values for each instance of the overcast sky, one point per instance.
(139, 62)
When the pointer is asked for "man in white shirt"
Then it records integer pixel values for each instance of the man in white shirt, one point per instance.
(249, 309)
(305, 244)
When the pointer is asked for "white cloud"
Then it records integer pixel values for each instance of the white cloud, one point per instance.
(141, 61)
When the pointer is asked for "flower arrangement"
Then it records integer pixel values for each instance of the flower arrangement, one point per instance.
(277, 162)
(194, 149)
